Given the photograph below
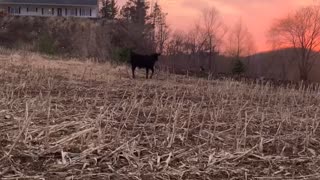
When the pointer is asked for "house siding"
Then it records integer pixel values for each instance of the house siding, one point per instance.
(48, 11)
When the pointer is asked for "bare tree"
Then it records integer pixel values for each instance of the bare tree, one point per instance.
(205, 37)
(201, 43)
(239, 46)
(300, 31)
(213, 31)
(192, 40)
(240, 42)
(176, 44)
(161, 29)
(196, 40)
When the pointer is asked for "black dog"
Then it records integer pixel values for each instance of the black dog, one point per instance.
(143, 61)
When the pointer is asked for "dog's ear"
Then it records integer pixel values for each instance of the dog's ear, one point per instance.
(156, 55)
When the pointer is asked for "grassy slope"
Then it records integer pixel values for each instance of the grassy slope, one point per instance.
(62, 119)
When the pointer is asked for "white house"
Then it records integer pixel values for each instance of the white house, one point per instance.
(75, 8)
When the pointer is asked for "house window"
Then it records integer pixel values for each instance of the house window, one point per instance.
(72, 12)
(32, 9)
(84, 12)
(14, 10)
(48, 11)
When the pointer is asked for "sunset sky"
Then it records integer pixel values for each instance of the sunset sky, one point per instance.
(258, 15)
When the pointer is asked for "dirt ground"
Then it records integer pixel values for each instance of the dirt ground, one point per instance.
(64, 119)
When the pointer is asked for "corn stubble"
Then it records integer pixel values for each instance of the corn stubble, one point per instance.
(64, 119)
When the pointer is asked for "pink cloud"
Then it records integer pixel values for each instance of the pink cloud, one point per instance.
(258, 15)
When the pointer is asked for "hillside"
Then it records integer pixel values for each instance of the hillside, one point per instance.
(280, 64)
(65, 119)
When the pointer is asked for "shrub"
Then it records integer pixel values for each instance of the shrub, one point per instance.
(46, 45)
(72, 37)
(121, 55)
(238, 67)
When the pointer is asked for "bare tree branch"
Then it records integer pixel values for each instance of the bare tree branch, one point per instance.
(300, 31)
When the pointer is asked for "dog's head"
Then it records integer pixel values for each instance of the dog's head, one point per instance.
(156, 56)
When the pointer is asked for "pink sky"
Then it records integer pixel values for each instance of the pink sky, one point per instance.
(258, 15)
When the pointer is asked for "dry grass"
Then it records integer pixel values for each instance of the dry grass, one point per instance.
(72, 120)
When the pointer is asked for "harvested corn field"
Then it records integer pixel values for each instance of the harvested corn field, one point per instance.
(64, 119)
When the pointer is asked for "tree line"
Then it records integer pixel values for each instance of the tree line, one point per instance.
(145, 23)
(300, 31)
(147, 26)
(143, 27)
(205, 37)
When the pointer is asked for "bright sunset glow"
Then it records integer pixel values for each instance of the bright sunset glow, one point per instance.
(258, 15)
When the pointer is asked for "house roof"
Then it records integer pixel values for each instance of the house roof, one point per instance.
(52, 2)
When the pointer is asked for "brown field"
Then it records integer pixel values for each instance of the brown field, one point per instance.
(81, 120)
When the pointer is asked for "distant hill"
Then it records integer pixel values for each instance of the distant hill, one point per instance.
(285, 53)
(280, 64)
